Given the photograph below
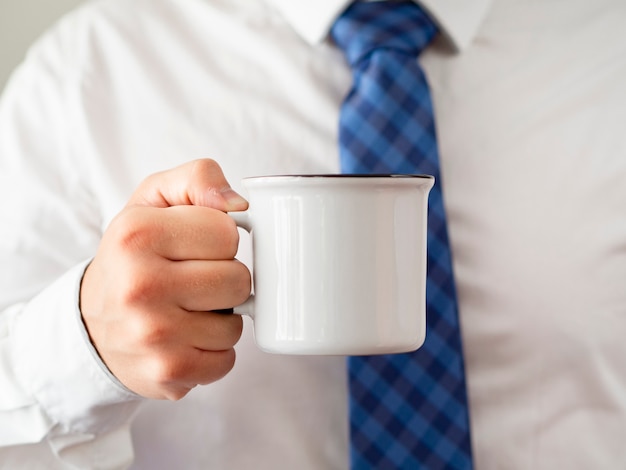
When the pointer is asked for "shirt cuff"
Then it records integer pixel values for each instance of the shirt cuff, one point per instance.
(57, 365)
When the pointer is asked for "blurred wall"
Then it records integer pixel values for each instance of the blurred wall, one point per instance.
(21, 22)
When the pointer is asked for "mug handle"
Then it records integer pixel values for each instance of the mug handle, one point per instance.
(242, 219)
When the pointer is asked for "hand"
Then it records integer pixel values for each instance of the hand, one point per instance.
(164, 263)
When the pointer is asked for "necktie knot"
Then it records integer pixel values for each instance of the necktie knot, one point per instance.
(368, 26)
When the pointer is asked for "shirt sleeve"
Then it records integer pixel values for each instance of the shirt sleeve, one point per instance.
(54, 390)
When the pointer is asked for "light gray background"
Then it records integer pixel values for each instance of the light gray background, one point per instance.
(21, 22)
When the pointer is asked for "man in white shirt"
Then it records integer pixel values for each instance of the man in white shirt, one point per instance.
(530, 102)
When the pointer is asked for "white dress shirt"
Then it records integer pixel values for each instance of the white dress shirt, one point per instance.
(530, 116)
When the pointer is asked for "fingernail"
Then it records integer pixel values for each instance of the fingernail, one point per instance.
(234, 201)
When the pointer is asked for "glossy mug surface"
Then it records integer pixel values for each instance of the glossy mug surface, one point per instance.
(339, 263)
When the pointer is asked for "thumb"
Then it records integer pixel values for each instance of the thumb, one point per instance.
(198, 183)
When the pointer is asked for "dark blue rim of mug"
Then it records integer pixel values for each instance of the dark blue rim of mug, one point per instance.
(344, 175)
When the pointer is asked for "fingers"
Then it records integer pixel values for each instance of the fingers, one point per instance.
(199, 182)
(181, 331)
(208, 285)
(182, 255)
(166, 354)
(177, 373)
(190, 285)
(210, 331)
(179, 232)
(164, 263)
(205, 331)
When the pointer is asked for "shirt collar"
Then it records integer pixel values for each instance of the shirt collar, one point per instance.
(457, 19)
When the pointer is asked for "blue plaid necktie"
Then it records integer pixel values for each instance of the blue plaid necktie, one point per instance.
(407, 411)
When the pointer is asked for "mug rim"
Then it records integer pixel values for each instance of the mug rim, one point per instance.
(343, 176)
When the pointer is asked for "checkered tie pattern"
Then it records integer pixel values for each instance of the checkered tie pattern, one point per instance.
(407, 411)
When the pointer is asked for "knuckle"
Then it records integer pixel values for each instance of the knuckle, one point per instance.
(205, 170)
(241, 284)
(222, 363)
(227, 234)
(177, 393)
(233, 281)
(237, 330)
(151, 334)
(167, 371)
(226, 362)
(231, 329)
(138, 290)
(151, 180)
(202, 165)
(133, 231)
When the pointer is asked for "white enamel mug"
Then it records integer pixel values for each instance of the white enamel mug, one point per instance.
(339, 262)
